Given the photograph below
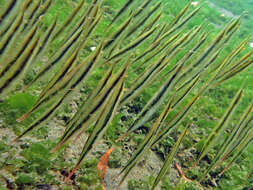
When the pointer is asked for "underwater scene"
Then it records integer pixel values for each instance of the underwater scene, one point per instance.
(126, 95)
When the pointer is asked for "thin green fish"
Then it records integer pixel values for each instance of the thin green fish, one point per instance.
(151, 23)
(142, 21)
(70, 81)
(145, 144)
(118, 32)
(242, 146)
(169, 158)
(121, 11)
(68, 20)
(94, 108)
(229, 141)
(179, 16)
(70, 45)
(42, 10)
(7, 9)
(152, 72)
(174, 122)
(241, 134)
(102, 123)
(9, 60)
(101, 85)
(30, 14)
(10, 33)
(133, 44)
(142, 8)
(17, 67)
(11, 14)
(60, 74)
(153, 104)
(153, 47)
(218, 130)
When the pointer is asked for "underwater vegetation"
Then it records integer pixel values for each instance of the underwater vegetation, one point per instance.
(135, 60)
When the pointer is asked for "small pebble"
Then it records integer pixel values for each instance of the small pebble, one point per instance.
(92, 48)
